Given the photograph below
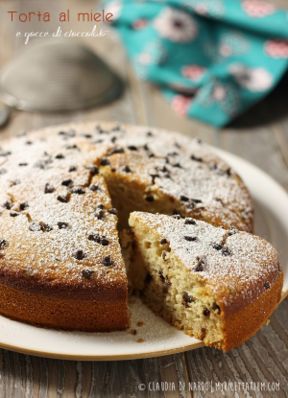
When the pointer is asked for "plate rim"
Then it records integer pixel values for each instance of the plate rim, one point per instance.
(227, 156)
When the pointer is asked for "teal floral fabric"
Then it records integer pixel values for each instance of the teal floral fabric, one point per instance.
(213, 59)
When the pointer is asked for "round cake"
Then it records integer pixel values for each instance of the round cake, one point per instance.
(65, 193)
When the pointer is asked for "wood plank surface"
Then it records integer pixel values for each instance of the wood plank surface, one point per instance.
(260, 136)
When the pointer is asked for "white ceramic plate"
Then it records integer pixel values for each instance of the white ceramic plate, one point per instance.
(154, 337)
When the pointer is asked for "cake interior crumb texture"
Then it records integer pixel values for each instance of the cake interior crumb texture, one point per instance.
(196, 275)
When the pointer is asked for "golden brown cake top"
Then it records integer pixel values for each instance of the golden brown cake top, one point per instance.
(50, 203)
(183, 168)
(236, 265)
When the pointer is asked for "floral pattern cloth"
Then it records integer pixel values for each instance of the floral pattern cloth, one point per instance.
(213, 59)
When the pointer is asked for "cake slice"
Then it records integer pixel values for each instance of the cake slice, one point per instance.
(217, 285)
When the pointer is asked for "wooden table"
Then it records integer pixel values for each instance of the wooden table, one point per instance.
(261, 136)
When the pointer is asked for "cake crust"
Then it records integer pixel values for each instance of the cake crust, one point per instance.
(53, 310)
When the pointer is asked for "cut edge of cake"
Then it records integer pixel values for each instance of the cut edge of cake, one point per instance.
(222, 310)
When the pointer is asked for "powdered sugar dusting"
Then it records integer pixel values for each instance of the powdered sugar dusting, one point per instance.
(233, 263)
(51, 193)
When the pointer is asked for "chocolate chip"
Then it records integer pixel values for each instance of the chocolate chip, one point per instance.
(23, 206)
(174, 153)
(114, 151)
(63, 198)
(62, 225)
(176, 216)
(184, 198)
(93, 170)
(94, 187)
(7, 205)
(107, 261)
(201, 263)
(163, 241)
(67, 134)
(217, 246)
(104, 162)
(72, 168)
(154, 176)
(67, 183)
(267, 285)
(49, 188)
(88, 136)
(190, 238)
(14, 214)
(187, 299)
(28, 143)
(104, 241)
(41, 226)
(206, 312)
(132, 148)
(189, 221)
(216, 308)
(149, 134)
(196, 158)
(59, 156)
(113, 139)
(164, 169)
(78, 191)
(94, 237)
(222, 172)
(149, 198)
(232, 232)
(74, 146)
(79, 255)
(3, 244)
(113, 211)
(22, 164)
(45, 227)
(98, 239)
(196, 201)
(178, 165)
(99, 214)
(127, 169)
(87, 273)
(226, 251)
